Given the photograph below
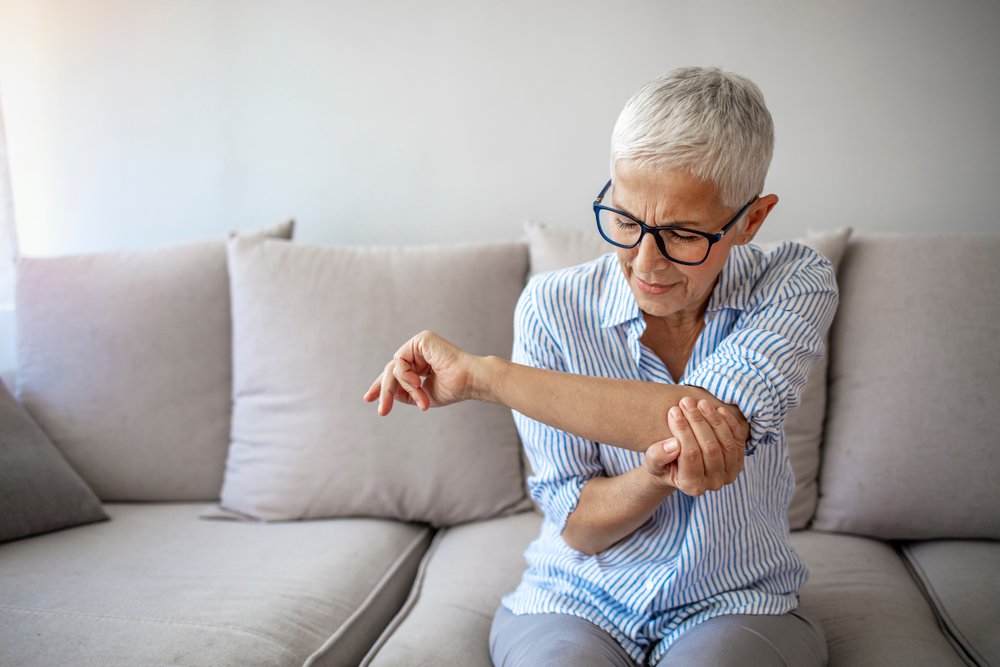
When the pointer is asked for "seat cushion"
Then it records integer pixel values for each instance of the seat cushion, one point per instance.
(158, 585)
(909, 451)
(124, 360)
(859, 589)
(871, 610)
(446, 620)
(961, 579)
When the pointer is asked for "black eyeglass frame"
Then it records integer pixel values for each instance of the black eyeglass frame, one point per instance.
(655, 231)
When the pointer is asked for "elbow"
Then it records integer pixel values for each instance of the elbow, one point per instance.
(578, 540)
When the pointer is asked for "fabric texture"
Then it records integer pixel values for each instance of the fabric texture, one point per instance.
(696, 557)
(553, 248)
(124, 360)
(156, 586)
(870, 608)
(914, 362)
(961, 580)
(39, 491)
(313, 327)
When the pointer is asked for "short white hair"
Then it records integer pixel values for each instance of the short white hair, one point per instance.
(708, 121)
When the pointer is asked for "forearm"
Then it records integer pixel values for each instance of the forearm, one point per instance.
(611, 508)
(625, 413)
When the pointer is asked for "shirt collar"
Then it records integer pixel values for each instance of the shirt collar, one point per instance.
(732, 289)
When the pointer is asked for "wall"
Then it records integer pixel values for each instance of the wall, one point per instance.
(133, 124)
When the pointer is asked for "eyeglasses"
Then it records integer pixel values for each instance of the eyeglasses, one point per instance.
(678, 244)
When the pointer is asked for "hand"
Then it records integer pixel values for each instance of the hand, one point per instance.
(427, 371)
(707, 455)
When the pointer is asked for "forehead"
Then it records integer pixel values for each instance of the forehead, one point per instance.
(665, 196)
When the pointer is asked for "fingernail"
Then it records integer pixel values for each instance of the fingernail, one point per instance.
(675, 413)
(687, 402)
(670, 446)
(704, 407)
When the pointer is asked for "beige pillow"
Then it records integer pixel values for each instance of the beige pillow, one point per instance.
(124, 360)
(910, 449)
(313, 326)
(552, 248)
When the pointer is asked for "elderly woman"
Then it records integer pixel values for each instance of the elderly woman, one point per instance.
(649, 388)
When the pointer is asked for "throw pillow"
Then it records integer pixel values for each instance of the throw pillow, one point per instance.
(39, 491)
(124, 360)
(313, 327)
(552, 248)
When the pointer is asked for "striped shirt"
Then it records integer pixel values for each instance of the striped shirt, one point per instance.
(726, 551)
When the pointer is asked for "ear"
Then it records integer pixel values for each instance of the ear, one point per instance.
(758, 212)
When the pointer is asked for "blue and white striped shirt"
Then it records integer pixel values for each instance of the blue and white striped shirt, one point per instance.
(726, 551)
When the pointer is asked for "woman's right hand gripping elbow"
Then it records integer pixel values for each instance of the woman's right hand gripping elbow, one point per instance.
(427, 371)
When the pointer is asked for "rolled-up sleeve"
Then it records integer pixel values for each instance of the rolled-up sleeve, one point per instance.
(561, 463)
(763, 364)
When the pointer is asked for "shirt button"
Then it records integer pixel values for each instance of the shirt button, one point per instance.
(650, 584)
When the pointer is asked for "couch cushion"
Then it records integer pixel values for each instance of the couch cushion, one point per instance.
(446, 620)
(124, 360)
(913, 410)
(157, 585)
(871, 610)
(552, 248)
(39, 491)
(313, 327)
(961, 579)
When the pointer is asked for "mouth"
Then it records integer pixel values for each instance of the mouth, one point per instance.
(652, 289)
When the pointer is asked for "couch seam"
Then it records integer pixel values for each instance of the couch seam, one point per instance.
(145, 619)
(409, 605)
(376, 590)
(947, 625)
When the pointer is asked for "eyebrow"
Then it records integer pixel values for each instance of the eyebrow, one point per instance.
(680, 223)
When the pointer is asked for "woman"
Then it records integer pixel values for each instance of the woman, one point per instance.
(661, 544)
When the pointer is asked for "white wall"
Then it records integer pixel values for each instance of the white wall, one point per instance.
(138, 123)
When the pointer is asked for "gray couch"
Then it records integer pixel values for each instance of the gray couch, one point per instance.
(897, 518)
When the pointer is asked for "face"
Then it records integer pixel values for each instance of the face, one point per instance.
(659, 197)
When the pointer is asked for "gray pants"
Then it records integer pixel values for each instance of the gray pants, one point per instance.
(746, 640)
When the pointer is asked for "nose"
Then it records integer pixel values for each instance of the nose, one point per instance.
(648, 258)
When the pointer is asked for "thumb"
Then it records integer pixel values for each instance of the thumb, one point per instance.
(663, 453)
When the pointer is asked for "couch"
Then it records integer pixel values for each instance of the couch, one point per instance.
(215, 491)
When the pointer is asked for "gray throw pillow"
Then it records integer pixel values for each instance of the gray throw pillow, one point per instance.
(124, 360)
(552, 248)
(312, 327)
(909, 451)
(39, 491)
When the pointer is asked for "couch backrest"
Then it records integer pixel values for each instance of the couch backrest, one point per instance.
(914, 408)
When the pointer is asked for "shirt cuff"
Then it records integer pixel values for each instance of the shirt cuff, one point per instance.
(557, 499)
(745, 389)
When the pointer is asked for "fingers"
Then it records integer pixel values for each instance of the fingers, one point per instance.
(734, 427)
(410, 382)
(727, 441)
(388, 390)
(659, 456)
(690, 463)
(711, 448)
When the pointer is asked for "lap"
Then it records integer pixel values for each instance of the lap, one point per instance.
(531, 640)
(790, 639)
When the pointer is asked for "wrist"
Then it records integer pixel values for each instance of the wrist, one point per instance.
(484, 374)
(657, 486)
